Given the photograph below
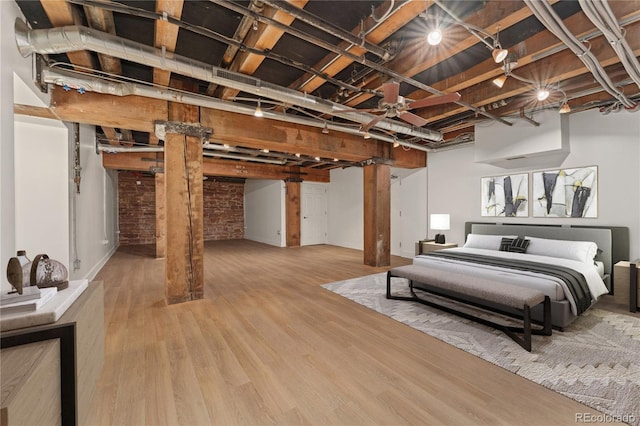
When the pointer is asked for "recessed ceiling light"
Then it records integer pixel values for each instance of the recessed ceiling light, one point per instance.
(542, 94)
(434, 37)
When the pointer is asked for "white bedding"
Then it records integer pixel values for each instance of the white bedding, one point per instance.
(550, 286)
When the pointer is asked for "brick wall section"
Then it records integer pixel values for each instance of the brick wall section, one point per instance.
(137, 208)
(223, 209)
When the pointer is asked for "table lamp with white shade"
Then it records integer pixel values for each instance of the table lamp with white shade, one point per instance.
(439, 222)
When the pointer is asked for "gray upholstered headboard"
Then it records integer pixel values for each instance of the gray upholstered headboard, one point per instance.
(613, 241)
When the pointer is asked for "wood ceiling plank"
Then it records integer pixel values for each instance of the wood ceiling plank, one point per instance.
(416, 57)
(265, 37)
(557, 67)
(527, 52)
(166, 34)
(331, 65)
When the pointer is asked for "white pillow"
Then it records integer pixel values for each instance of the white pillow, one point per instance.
(487, 242)
(582, 251)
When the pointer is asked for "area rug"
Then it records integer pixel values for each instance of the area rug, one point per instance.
(595, 361)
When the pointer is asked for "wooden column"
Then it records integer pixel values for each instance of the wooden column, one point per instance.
(292, 209)
(377, 215)
(184, 268)
(161, 217)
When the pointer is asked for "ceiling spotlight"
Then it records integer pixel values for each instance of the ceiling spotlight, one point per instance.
(325, 129)
(542, 94)
(297, 154)
(255, 25)
(395, 143)
(367, 135)
(499, 54)
(317, 158)
(265, 150)
(499, 81)
(435, 37)
(565, 108)
(258, 111)
(335, 159)
(226, 146)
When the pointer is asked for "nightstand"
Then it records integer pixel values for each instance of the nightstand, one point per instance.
(424, 246)
(626, 285)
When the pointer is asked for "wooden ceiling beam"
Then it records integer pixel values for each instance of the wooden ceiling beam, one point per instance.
(417, 57)
(144, 162)
(265, 38)
(332, 64)
(527, 52)
(166, 34)
(102, 20)
(34, 111)
(557, 67)
(139, 113)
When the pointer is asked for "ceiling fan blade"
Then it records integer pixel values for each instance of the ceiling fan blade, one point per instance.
(369, 125)
(391, 91)
(412, 118)
(436, 100)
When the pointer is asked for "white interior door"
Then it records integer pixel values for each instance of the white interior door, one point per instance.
(313, 226)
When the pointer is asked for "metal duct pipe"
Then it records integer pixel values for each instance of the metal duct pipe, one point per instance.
(547, 16)
(74, 38)
(116, 149)
(92, 83)
(603, 18)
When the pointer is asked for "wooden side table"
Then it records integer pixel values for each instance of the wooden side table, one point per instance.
(625, 284)
(425, 246)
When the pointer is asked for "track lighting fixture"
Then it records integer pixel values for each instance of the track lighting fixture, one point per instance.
(565, 108)
(325, 129)
(499, 81)
(258, 111)
(499, 54)
(367, 135)
(396, 143)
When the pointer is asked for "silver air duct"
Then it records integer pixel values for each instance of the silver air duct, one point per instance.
(75, 38)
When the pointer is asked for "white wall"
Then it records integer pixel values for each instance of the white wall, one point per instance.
(41, 198)
(611, 142)
(345, 208)
(36, 175)
(408, 210)
(264, 211)
(11, 63)
(93, 212)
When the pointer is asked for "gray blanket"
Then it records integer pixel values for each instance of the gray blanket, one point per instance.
(574, 280)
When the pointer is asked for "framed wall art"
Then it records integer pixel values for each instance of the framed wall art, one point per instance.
(566, 192)
(505, 196)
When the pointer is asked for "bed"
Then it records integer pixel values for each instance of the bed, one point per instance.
(589, 251)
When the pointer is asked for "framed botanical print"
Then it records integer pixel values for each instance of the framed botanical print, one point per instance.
(505, 196)
(566, 192)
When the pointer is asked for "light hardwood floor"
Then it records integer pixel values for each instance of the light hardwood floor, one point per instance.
(268, 345)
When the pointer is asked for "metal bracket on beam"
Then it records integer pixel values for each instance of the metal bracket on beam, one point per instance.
(178, 127)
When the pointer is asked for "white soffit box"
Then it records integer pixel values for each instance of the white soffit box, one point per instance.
(524, 144)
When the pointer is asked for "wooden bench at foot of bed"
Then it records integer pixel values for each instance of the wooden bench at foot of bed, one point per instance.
(481, 292)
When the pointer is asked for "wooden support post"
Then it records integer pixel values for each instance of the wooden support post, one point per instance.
(161, 217)
(184, 267)
(377, 215)
(292, 209)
